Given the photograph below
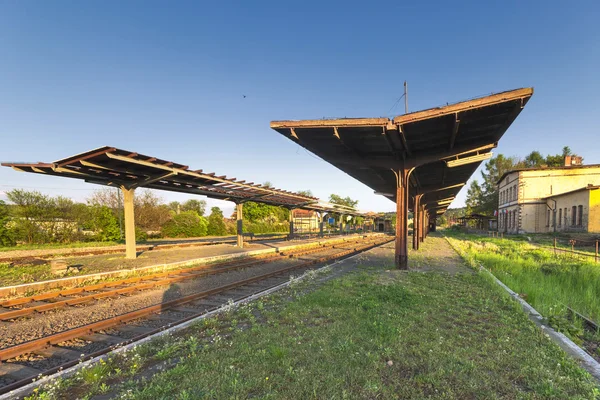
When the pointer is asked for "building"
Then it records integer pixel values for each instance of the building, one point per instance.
(550, 199)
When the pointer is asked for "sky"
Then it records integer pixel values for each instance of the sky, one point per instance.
(168, 79)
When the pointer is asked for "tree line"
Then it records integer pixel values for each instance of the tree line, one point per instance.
(31, 217)
(483, 198)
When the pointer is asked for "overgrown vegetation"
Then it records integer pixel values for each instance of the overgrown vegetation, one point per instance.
(373, 334)
(546, 281)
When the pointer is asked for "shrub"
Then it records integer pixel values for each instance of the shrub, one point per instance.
(216, 225)
(186, 224)
(6, 234)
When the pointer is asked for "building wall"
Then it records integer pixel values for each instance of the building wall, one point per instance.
(526, 190)
(580, 198)
(594, 213)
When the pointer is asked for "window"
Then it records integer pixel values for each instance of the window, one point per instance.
(515, 219)
(547, 217)
(574, 216)
(515, 192)
(580, 216)
(560, 217)
(566, 220)
(510, 194)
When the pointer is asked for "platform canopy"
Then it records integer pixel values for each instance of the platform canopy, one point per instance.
(425, 157)
(116, 167)
(128, 171)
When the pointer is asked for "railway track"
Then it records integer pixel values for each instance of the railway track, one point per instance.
(21, 363)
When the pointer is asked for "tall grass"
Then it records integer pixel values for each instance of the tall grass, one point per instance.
(545, 280)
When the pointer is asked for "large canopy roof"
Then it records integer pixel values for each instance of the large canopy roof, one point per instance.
(117, 167)
(444, 145)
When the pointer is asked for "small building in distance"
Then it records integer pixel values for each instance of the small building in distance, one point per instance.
(550, 199)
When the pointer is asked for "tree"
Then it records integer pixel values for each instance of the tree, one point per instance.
(306, 193)
(31, 209)
(149, 211)
(259, 212)
(344, 201)
(494, 169)
(216, 225)
(474, 197)
(186, 224)
(6, 234)
(199, 206)
(534, 160)
(104, 223)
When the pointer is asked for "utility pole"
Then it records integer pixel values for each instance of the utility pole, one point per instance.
(405, 98)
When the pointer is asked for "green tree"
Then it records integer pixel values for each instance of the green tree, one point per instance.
(6, 234)
(186, 224)
(199, 206)
(216, 225)
(31, 209)
(265, 213)
(344, 201)
(534, 160)
(306, 193)
(494, 169)
(474, 198)
(104, 223)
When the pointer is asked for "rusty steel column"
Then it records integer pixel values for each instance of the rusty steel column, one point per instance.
(401, 251)
(240, 227)
(321, 223)
(291, 236)
(416, 221)
(130, 250)
(421, 223)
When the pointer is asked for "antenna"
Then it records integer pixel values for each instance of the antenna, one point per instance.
(405, 98)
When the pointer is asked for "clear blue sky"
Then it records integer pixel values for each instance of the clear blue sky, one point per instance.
(167, 79)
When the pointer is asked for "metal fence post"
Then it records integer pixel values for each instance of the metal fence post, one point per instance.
(554, 246)
(596, 257)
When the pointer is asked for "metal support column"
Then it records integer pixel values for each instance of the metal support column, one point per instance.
(421, 223)
(416, 221)
(401, 251)
(291, 236)
(321, 223)
(240, 228)
(130, 251)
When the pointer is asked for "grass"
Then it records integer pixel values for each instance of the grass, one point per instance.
(370, 334)
(44, 246)
(544, 279)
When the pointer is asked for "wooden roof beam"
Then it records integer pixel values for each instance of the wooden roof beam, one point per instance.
(455, 126)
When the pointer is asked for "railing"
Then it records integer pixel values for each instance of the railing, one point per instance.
(572, 251)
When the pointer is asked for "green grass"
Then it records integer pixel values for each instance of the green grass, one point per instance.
(372, 334)
(58, 246)
(545, 280)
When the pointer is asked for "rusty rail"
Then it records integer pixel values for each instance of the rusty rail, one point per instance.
(136, 284)
(27, 347)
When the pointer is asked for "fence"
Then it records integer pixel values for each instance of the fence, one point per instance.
(572, 243)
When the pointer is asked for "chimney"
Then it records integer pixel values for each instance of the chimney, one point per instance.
(573, 161)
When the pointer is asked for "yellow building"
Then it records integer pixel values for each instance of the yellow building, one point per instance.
(551, 199)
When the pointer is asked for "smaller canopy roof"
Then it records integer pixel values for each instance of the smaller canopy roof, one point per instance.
(121, 168)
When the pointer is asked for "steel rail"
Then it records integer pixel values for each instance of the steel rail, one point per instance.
(39, 344)
(139, 283)
(22, 382)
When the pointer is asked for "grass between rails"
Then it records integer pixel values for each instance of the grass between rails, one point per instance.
(371, 334)
(546, 281)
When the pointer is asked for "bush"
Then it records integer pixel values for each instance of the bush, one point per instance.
(186, 224)
(140, 235)
(216, 225)
(6, 234)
